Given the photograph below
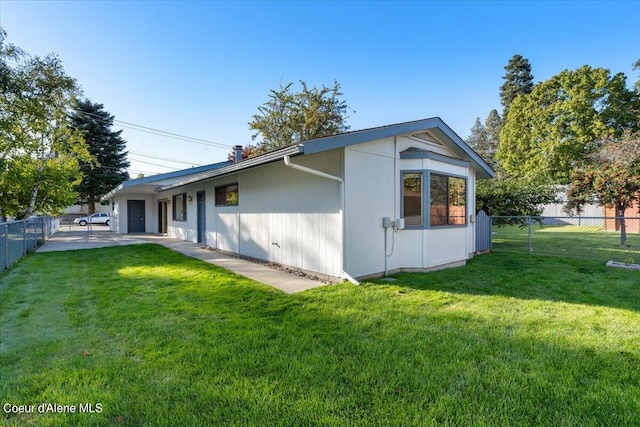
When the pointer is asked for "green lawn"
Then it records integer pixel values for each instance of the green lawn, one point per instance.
(157, 338)
(573, 241)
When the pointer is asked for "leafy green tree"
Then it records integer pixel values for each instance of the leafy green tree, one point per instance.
(8, 93)
(39, 152)
(24, 174)
(610, 176)
(518, 80)
(8, 52)
(289, 117)
(108, 166)
(547, 132)
(509, 196)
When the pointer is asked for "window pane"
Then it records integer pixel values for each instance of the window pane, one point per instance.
(232, 194)
(457, 201)
(180, 207)
(227, 195)
(438, 199)
(412, 198)
(221, 196)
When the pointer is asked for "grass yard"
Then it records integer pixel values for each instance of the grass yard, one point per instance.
(573, 241)
(157, 338)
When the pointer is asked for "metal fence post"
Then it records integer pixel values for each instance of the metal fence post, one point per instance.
(35, 236)
(6, 246)
(24, 238)
(529, 220)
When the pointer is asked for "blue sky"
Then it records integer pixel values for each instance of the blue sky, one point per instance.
(203, 68)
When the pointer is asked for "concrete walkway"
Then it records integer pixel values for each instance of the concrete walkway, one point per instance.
(78, 238)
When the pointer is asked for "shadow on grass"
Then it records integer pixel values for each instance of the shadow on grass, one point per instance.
(534, 277)
(175, 341)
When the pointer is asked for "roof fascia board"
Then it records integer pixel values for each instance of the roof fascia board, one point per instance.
(160, 177)
(175, 174)
(357, 137)
(113, 192)
(463, 150)
(435, 124)
(145, 188)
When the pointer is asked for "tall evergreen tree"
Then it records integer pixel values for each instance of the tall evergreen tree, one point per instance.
(108, 148)
(484, 138)
(478, 138)
(518, 80)
(492, 126)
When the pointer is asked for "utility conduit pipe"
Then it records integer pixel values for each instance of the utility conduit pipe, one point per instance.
(287, 162)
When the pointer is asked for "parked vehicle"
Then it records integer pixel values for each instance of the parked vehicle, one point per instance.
(97, 218)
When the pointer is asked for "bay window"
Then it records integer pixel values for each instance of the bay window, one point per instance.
(443, 197)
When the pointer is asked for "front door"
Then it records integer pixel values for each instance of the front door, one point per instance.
(202, 218)
(135, 216)
(162, 217)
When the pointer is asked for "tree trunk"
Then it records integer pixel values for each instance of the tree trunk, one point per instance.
(34, 192)
(32, 202)
(91, 205)
(36, 187)
(623, 227)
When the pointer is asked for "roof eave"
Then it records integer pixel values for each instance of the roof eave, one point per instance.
(263, 159)
(435, 124)
(444, 133)
(462, 149)
(112, 193)
(160, 177)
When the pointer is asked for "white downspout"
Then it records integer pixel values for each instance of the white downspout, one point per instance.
(287, 162)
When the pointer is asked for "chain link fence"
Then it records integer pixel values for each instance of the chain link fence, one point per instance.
(595, 238)
(17, 238)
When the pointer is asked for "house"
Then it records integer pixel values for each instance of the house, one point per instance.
(360, 204)
(632, 218)
(137, 191)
